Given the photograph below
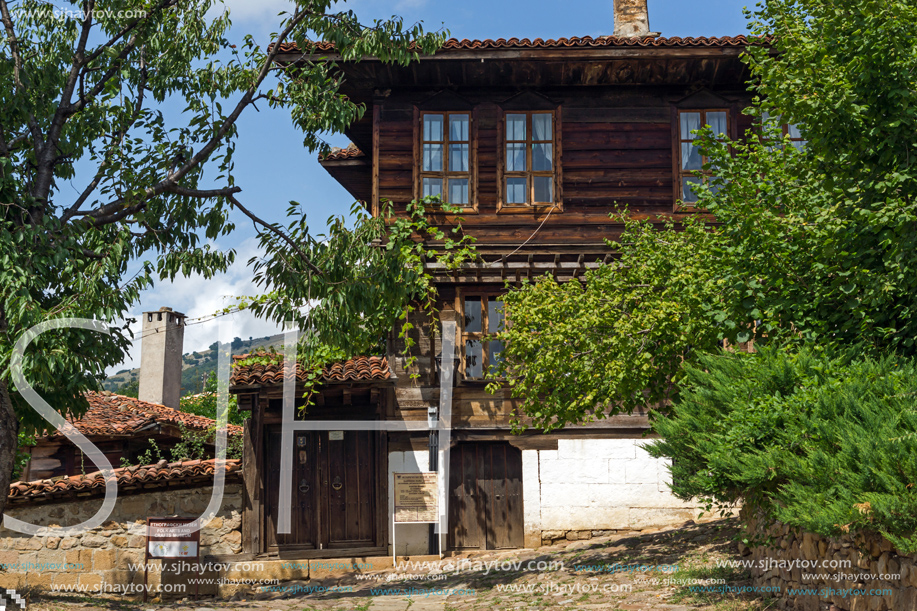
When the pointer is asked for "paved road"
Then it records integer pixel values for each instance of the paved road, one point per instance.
(646, 571)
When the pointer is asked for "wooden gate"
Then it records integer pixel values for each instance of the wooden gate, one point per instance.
(333, 495)
(485, 496)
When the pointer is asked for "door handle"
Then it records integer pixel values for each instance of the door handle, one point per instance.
(304, 486)
(336, 482)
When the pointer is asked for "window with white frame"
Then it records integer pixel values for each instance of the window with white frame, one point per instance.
(691, 161)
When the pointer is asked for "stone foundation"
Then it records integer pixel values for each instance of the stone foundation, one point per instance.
(111, 556)
(862, 563)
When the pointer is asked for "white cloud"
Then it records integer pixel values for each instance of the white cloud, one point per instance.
(199, 299)
(256, 17)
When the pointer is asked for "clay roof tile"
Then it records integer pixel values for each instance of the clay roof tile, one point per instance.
(357, 369)
(189, 472)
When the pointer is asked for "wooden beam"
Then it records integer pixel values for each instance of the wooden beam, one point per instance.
(377, 112)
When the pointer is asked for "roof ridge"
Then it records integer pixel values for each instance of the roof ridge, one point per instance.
(574, 41)
(357, 369)
(114, 414)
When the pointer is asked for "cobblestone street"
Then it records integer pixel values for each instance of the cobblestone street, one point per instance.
(626, 572)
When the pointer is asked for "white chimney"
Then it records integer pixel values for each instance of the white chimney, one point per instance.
(632, 19)
(161, 357)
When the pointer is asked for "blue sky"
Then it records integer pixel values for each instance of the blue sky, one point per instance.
(273, 168)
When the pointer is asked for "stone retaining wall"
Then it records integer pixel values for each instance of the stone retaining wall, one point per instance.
(861, 563)
(104, 555)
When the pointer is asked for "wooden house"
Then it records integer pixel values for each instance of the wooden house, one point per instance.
(538, 141)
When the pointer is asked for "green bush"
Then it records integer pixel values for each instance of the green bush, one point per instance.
(822, 442)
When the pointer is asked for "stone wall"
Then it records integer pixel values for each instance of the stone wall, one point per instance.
(104, 555)
(845, 573)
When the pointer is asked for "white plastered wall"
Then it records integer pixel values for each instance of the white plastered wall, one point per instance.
(598, 484)
(411, 539)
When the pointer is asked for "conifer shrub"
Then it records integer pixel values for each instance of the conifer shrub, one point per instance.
(824, 442)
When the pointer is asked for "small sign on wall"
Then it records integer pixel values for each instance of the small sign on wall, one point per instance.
(171, 538)
(336, 435)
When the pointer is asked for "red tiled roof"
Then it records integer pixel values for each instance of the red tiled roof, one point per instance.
(340, 154)
(572, 42)
(358, 369)
(140, 478)
(111, 414)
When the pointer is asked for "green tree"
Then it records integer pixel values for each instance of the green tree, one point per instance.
(809, 246)
(90, 85)
(820, 243)
(130, 388)
(821, 441)
(205, 402)
(616, 342)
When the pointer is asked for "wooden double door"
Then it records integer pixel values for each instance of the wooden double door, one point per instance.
(485, 496)
(333, 493)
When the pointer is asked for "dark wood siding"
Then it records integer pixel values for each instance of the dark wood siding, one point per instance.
(616, 148)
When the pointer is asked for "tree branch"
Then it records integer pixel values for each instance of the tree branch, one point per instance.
(276, 231)
(115, 211)
(138, 108)
(37, 139)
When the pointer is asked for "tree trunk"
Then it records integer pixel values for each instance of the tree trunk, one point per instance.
(9, 441)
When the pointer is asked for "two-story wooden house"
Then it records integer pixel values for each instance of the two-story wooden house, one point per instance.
(538, 141)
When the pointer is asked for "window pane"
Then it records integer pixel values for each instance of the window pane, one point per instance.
(495, 353)
(474, 361)
(717, 120)
(458, 190)
(687, 192)
(515, 157)
(473, 316)
(432, 127)
(544, 189)
(542, 156)
(433, 157)
(432, 186)
(494, 315)
(515, 127)
(793, 131)
(689, 121)
(458, 157)
(515, 190)
(458, 128)
(799, 144)
(690, 157)
(541, 127)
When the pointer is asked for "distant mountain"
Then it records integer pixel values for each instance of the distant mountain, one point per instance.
(196, 366)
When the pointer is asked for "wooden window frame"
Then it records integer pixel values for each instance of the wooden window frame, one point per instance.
(556, 172)
(679, 173)
(445, 174)
(464, 336)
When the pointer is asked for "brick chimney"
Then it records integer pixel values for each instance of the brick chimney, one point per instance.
(632, 19)
(161, 357)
